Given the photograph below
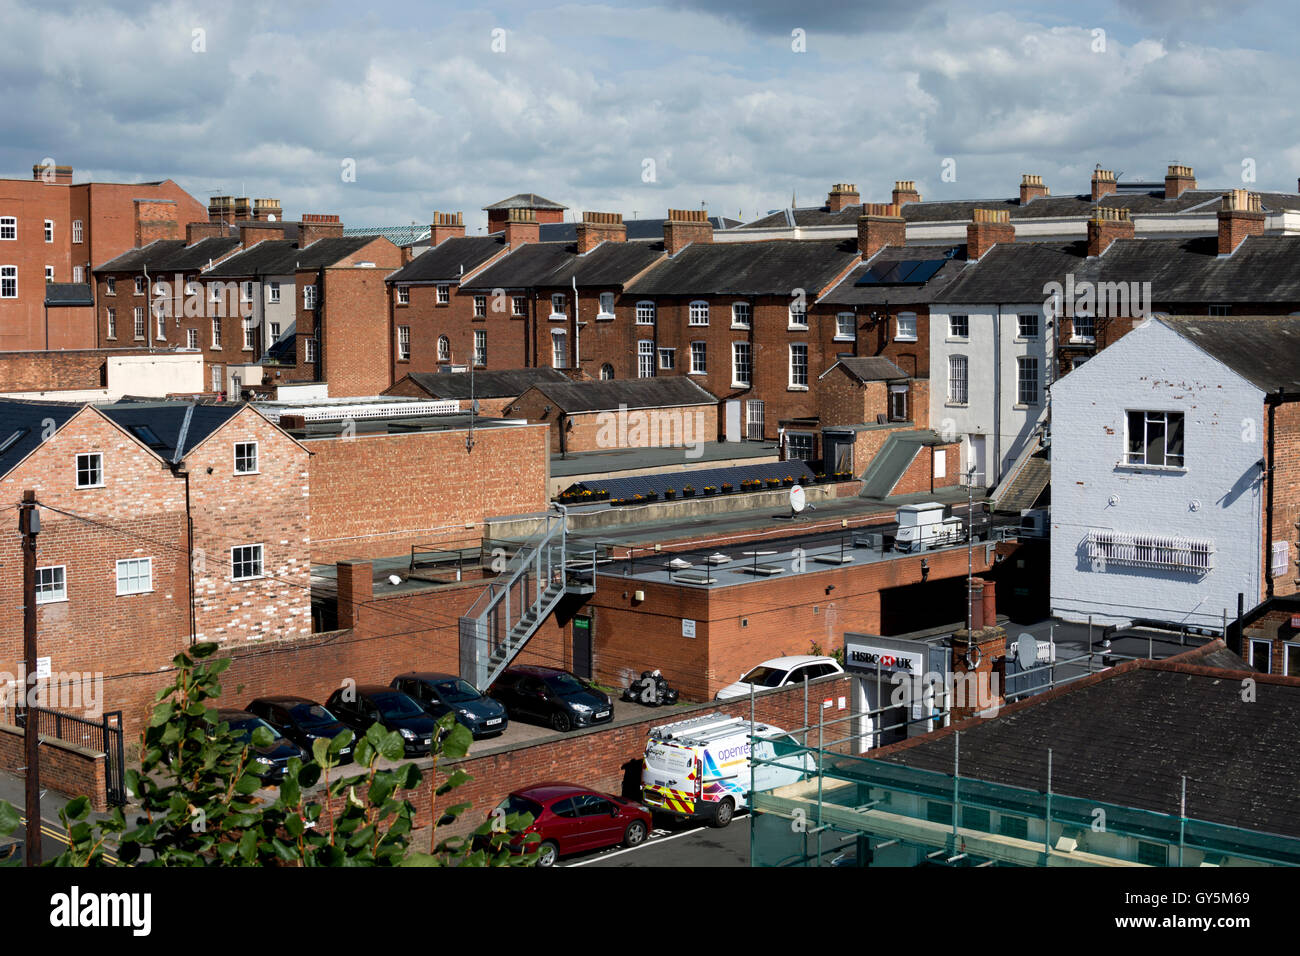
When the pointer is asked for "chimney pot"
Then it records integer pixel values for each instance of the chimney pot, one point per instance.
(905, 192)
(1105, 225)
(1178, 180)
(446, 225)
(685, 226)
(1241, 215)
(987, 228)
(598, 227)
(881, 224)
(1031, 188)
(843, 195)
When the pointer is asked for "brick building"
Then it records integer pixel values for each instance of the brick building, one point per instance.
(493, 390)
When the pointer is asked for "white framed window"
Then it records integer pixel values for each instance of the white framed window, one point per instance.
(559, 349)
(76, 230)
(1027, 380)
(49, 230)
(1027, 325)
(846, 327)
(645, 359)
(798, 365)
(51, 584)
(8, 282)
(898, 404)
(90, 470)
(645, 313)
(1155, 439)
(518, 305)
(557, 304)
(798, 314)
(444, 349)
(110, 285)
(139, 285)
(1281, 558)
(274, 331)
(444, 294)
(606, 306)
(699, 313)
(742, 365)
(1220, 310)
(957, 382)
(959, 326)
(245, 562)
(404, 342)
(191, 338)
(110, 314)
(1083, 329)
(160, 323)
(273, 291)
(246, 458)
(741, 315)
(49, 274)
(246, 291)
(1259, 655)
(78, 274)
(480, 307)
(905, 327)
(216, 333)
(403, 295)
(798, 446)
(607, 372)
(134, 576)
(309, 297)
(480, 347)
(9, 228)
(667, 360)
(248, 328)
(137, 324)
(309, 351)
(1291, 660)
(699, 358)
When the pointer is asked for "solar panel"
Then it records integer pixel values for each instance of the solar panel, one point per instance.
(924, 271)
(903, 272)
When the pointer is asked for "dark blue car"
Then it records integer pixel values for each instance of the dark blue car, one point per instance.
(441, 694)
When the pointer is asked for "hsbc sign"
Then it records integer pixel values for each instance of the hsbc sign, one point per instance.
(861, 655)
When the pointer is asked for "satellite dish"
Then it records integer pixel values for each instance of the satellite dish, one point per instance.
(1026, 650)
(797, 499)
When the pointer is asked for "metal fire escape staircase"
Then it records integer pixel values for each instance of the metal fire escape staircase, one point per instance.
(509, 611)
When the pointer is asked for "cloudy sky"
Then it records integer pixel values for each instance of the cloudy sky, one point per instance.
(636, 107)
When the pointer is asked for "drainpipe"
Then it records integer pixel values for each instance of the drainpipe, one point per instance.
(997, 403)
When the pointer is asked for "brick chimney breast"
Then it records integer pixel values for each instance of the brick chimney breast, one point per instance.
(987, 228)
(685, 226)
(1241, 215)
(446, 225)
(881, 224)
(1103, 183)
(598, 227)
(198, 231)
(1031, 188)
(267, 210)
(155, 219)
(904, 192)
(1178, 180)
(221, 209)
(1105, 225)
(843, 195)
(521, 226)
(318, 226)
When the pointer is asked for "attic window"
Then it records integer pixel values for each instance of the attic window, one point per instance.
(12, 439)
(147, 435)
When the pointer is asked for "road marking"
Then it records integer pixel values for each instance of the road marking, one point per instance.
(49, 830)
(606, 856)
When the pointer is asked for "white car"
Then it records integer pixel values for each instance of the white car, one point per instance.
(779, 672)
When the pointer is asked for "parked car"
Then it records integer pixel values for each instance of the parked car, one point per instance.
(781, 671)
(571, 819)
(301, 720)
(551, 696)
(271, 761)
(376, 704)
(441, 694)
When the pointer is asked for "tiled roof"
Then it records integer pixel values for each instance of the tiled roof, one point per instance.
(1263, 349)
(165, 420)
(869, 368)
(847, 292)
(504, 383)
(749, 268)
(172, 255)
(591, 396)
(282, 256)
(450, 259)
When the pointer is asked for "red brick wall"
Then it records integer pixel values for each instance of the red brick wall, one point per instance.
(40, 371)
(918, 477)
(507, 345)
(636, 428)
(354, 326)
(1286, 490)
(65, 767)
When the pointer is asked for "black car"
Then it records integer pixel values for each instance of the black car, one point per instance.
(551, 696)
(370, 704)
(301, 720)
(270, 762)
(441, 694)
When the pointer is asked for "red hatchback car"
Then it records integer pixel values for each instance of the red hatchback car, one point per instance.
(572, 819)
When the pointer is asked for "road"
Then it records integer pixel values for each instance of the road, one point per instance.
(678, 844)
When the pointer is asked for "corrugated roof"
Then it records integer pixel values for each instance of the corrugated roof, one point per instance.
(450, 259)
(397, 235)
(592, 396)
(1263, 349)
(749, 268)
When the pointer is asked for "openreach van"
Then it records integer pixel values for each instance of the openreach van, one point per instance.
(700, 767)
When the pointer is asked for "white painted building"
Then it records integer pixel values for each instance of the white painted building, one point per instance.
(1158, 461)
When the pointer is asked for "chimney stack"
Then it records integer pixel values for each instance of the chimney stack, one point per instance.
(1241, 216)
(52, 175)
(881, 224)
(318, 226)
(198, 231)
(1178, 180)
(155, 219)
(266, 210)
(1105, 226)
(685, 226)
(521, 226)
(843, 195)
(1103, 183)
(905, 192)
(988, 227)
(446, 225)
(221, 209)
(1031, 188)
(251, 233)
(598, 227)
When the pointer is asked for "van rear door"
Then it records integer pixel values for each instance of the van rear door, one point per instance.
(667, 777)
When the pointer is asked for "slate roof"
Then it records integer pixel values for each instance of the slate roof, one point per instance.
(525, 267)
(68, 294)
(846, 292)
(165, 420)
(505, 383)
(610, 263)
(749, 268)
(636, 228)
(526, 201)
(592, 396)
(1015, 272)
(869, 368)
(282, 256)
(1263, 349)
(22, 427)
(450, 259)
(1127, 738)
(172, 255)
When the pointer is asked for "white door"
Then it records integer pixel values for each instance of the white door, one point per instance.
(975, 459)
(733, 420)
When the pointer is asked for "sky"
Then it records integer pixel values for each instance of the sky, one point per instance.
(386, 112)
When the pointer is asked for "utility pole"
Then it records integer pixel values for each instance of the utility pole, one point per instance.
(29, 523)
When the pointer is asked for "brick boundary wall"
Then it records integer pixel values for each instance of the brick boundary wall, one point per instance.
(66, 767)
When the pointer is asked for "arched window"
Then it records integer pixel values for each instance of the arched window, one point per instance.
(444, 349)
(606, 372)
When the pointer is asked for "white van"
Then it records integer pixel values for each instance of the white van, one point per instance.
(700, 767)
